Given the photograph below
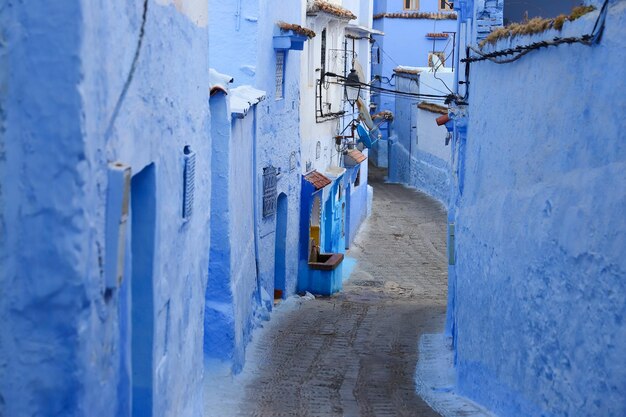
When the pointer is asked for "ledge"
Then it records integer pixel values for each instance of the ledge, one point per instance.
(437, 35)
(328, 261)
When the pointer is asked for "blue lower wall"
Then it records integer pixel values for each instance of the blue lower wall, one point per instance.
(91, 83)
(423, 171)
(541, 231)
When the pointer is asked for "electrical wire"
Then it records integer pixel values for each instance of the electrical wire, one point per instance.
(520, 51)
(131, 72)
(440, 65)
(396, 62)
(380, 89)
(403, 94)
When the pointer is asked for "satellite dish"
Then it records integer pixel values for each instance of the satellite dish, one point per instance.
(359, 70)
(366, 137)
(364, 114)
(436, 62)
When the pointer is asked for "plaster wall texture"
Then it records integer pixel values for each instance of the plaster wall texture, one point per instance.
(68, 113)
(278, 132)
(419, 157)
(241, 43)
(243, 262)
(363, 9)
(232, 290)
(359, 203)
(540, 229)
(234, 27)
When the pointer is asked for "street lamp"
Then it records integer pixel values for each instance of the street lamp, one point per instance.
(353, 87)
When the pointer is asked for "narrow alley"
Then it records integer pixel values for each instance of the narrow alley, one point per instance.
(355, 353)
(302, 208)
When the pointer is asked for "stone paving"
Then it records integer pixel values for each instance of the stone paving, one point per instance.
(355, 354)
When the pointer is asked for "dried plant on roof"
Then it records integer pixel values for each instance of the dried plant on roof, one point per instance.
(407, 70)
(300, 30)
(437, 35)
(333, 9)
(417, 15)
(433, 108)
(384, 115)
(535, 25)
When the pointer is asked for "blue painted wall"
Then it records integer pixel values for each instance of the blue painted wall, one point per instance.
(358, 199)
(46, 281)
(404, 43)
(241, 45)
(418, 154)
(309, 193)
(72, 103)
(539, 201)
(278, 131)
(219, 320)
(234, 28)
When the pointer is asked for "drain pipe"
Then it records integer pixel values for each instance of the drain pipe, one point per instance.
(255, 193)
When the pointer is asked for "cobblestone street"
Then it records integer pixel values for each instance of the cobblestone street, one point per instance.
(354, 354)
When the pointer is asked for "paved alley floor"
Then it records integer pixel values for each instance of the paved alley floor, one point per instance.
(355, 354)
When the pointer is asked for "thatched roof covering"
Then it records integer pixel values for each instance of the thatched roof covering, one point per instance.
(385, 115)
(407, 70)
(437, 35)
(300, 30)
(332, 9)
(535, 25)
(417, 15)
(434, 108)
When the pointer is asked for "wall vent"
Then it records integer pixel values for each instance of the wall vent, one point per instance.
(269, 191)
(189, 181)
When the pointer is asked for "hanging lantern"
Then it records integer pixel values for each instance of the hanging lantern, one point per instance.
(353, 87)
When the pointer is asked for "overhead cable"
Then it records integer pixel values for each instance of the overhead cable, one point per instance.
(519, 51)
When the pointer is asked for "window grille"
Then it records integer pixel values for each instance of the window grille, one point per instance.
(323, 55)
(269, 191)
(280, 73)
(292, 162)
(189, 181)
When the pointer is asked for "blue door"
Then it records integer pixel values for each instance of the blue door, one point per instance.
(280, 255)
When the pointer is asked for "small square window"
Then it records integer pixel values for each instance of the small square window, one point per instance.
(446, 6)
(411, 4)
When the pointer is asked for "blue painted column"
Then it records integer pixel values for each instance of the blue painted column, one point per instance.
(48, 280)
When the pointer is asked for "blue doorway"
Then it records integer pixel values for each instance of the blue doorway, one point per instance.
(280, 255)
(143, 226)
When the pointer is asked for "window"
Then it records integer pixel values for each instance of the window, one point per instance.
(280, 74)
(269, 191)
(440, 55)
(446, 6)
(323, 55)
(411, 4)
